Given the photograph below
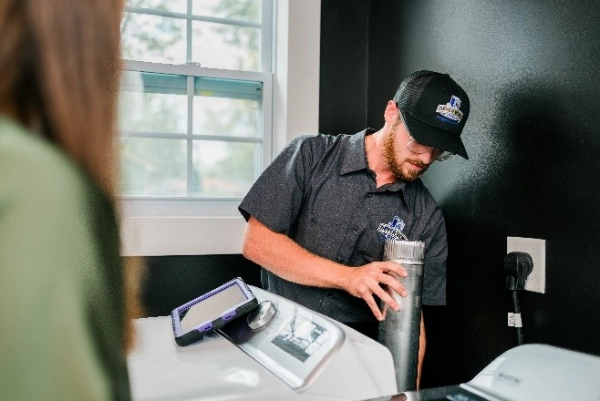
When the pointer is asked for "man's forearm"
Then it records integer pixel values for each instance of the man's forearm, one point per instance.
(422, 345)
(284, 257)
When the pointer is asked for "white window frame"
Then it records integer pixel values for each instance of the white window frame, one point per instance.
(295, 105)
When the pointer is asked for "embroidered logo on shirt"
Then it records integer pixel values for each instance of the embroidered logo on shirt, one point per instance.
(392, 230)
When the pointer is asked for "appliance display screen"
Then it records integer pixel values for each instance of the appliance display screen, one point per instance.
(301, 338)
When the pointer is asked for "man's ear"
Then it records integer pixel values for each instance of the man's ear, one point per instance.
(391, 113)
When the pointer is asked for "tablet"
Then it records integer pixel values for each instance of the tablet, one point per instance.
(211, 311)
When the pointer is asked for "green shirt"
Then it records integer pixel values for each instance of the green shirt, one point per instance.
(61, 284)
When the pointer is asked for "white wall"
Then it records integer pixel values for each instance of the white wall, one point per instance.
(296, 89)
(295, 112)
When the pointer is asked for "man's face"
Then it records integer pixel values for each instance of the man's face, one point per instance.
(406, 164)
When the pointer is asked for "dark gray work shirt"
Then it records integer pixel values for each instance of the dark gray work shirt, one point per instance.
(320, 192)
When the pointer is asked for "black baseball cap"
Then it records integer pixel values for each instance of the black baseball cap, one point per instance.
(435, 109)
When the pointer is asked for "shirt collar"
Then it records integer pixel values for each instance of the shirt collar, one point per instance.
(355, 159)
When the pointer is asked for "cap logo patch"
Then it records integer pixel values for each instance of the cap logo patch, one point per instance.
(450, 112)
(392, 230)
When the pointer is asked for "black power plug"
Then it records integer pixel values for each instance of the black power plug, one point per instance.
(518, 265)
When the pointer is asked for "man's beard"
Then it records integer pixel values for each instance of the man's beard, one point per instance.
(389, 154)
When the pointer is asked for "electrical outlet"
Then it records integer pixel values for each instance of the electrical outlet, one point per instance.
(536, 281)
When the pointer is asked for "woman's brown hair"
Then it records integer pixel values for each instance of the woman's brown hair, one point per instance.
(59, 76)
(59, 63)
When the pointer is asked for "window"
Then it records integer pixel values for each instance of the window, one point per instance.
(154, 224)
(195, 108)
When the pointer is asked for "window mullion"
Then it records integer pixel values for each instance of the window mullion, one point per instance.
(188, 31)
(267, 34)
(170, 14)
(190, 141)
(190, 105)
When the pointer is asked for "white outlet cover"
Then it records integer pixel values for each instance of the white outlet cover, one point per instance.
(536, 282)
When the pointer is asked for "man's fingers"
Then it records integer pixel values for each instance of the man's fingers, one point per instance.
(374, 307)
(393, 284)
(393, 267)
(378, 279)
(387, 298)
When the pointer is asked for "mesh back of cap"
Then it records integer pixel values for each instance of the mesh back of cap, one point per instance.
(409, 92)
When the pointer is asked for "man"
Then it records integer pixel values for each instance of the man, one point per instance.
(318, 215)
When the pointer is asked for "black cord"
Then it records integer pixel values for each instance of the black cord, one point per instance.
(517, 311)
(518, 266)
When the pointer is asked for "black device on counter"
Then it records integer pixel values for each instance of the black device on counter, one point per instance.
(211, 311)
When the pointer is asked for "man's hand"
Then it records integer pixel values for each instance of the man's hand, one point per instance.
(372, 279)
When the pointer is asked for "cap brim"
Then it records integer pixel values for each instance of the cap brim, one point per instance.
(434, 137)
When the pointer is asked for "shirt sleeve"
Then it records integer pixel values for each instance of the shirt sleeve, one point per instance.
(276, 197)
(436, 254)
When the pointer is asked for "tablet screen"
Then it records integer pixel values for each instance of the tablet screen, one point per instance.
(211, 308)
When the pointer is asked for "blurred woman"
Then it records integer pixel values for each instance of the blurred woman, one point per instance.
(63, 319)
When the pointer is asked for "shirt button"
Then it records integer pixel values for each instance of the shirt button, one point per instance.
(313, 220)
(356, 228)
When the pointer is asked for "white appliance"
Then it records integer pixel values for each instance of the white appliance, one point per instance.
(531, 372)
(281, 351)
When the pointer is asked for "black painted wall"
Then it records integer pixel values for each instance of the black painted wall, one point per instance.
(532, 71)
(171, 281)
(344, 66)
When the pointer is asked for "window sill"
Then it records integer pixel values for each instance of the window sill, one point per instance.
(158, 236)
